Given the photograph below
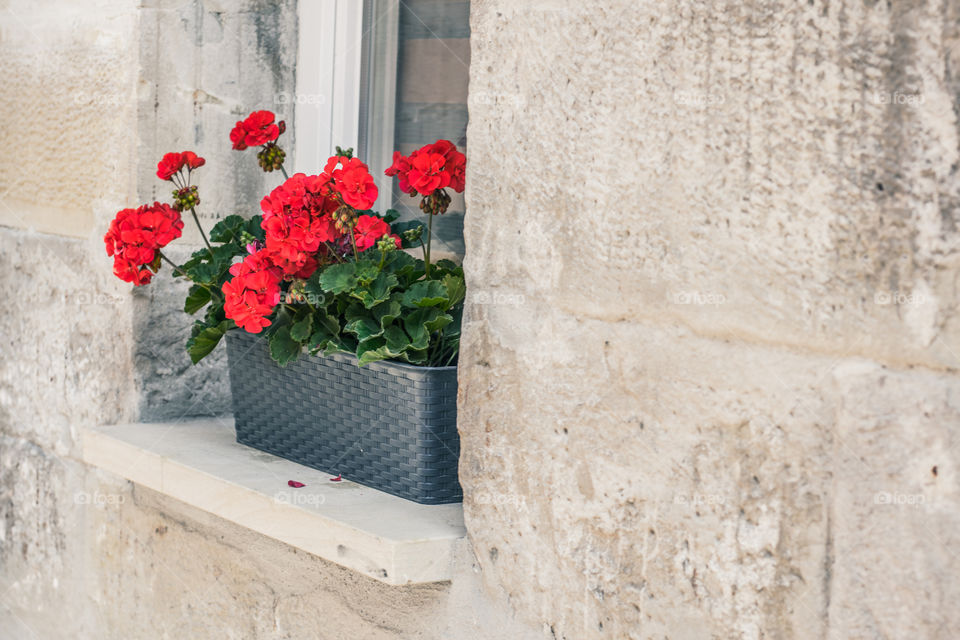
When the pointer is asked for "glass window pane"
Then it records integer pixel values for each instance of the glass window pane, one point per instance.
(414, 92)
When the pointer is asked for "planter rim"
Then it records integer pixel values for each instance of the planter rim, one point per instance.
(349, 357)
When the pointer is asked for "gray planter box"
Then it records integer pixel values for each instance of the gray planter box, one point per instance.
(387, 425)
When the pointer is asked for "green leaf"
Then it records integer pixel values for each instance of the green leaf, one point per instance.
(212, 270)
(283, 318)
(386, 312)
(283, 348)
(403, 265)
(449, 266)
(420, 324)
(197, 297)
(373, 350)
(377, 291)
(438, 323)
(426, 293)
(206, 339)
(367, 271)
(397, 339)
(391, 215)
(327, 323)
(326, 334)
(228, 229)
(364, 328)
(314, 290)
(415, 356)
(456, 289)
(300, 330)
(255, 228)
(338, 278)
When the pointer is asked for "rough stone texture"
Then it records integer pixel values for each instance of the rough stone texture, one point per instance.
(68, 105)
(67, 108)
(204, 65)
(697, 232)
(708, 381)
(66, 344)
(83, 554)
(907, 500)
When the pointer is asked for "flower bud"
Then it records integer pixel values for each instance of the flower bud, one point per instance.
(345, 218)
(412, 235)
(386, 244)
(271, 157)
(186, 198)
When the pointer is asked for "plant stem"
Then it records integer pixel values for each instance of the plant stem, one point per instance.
(176, 268)
(423, 248)
(333, 252)
(353, 241)
(429, 238)
(196, 219)
(212, 290)
(284, 172)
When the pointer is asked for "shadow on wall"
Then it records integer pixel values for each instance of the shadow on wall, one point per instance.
(231, 62)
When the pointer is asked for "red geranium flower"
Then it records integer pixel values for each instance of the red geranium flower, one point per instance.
(135, 236)
(172, 163)
(130, 272)
(369, 229)
(400, 168)
(296, 220)
(192, 160)
(253, 292)
(426, 173)
(431, 167)
(456, 166)
(237, 136)
(256, 129)
(355, 185)
(169, 165)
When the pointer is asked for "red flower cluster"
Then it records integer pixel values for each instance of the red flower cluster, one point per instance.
(369, 230)
(257, 129)
(352, 181)
(296, 219)
(172, 163)
(298, 224)
(253, 292)
(136, 235)
(434, 166)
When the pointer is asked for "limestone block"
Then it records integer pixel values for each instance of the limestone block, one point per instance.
(631, 481)
(68, 112)
(895, 522)
(66, 339)
(777, 172)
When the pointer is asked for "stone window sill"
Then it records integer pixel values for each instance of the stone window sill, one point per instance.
(200, 463)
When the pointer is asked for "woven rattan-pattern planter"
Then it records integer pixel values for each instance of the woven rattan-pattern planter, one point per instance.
(387, 425)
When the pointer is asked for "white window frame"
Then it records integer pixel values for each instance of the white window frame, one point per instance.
(329, 51)
(333, 67)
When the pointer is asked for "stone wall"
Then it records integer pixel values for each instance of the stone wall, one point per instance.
(204, 65)
(67, 108)
(709, 377)
(709, 383)
(94, 94)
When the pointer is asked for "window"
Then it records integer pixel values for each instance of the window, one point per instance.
(384, 75)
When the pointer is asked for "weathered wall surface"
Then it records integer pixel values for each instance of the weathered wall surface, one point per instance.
(91, 98)
(204, 65)
(709, 379)
(67, 108)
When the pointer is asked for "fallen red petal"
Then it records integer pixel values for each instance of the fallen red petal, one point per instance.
(337, 479)
(295, 484)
